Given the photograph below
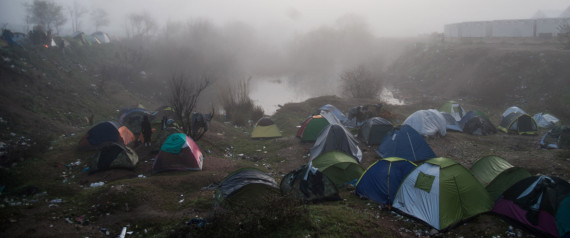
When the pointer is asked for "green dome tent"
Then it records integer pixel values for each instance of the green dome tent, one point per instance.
(487, 168)
(338, 167)
(265, 128)
(441, 193)
(454, 109)
(311, 128)
(519, 123)
(505, 180)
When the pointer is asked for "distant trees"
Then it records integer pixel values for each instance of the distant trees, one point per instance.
(100, 18)
(76, 12)
(183, 98)
(46, 14)
(141, 25)
(359, 82)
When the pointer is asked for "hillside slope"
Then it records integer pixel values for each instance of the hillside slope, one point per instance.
(536, 77)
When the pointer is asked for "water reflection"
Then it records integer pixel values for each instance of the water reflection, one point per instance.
(269, 93)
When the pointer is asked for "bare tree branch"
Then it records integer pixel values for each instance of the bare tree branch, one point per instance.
(183, 99)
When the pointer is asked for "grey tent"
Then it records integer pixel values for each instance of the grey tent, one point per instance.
(114, 156)
(309, 184)
(245, 187)
(374, 130)
(336, 137)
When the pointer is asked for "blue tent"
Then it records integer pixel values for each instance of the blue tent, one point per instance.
(337, 113)
(407, 143)
(381, 180)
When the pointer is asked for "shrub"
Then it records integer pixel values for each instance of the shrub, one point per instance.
(238, 105)
(361, 83)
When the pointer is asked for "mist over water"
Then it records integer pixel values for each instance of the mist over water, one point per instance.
(269, 93)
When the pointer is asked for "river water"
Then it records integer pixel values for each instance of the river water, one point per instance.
(270, 93)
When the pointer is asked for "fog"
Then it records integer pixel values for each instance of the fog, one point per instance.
(301, 44)
(386, 18)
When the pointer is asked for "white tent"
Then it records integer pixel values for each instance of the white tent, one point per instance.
(546, 120)
(427, 122)
(102, 37)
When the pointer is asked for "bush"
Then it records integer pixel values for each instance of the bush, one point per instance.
(361, 83)
(239, 106)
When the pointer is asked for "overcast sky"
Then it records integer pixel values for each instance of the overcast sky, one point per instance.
(386, 18)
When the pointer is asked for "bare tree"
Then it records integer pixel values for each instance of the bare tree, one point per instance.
(361, 83)
(100, 18)
(46, 14)
(141, 25)
(76, 12)
(183, 98)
